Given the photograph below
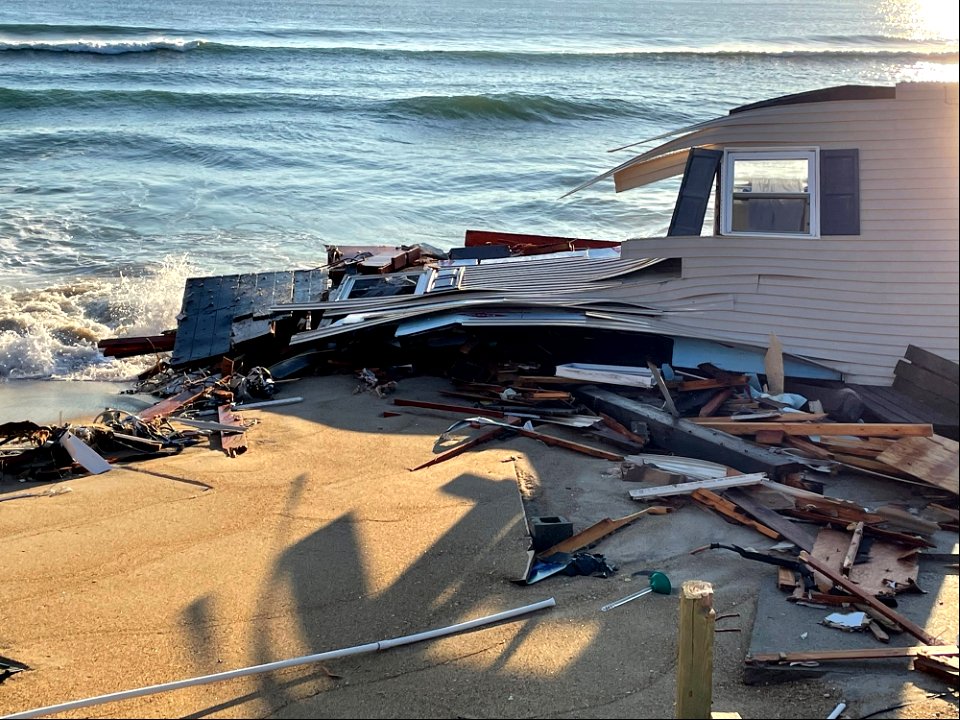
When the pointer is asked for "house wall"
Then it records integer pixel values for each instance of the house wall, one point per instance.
(852, 302)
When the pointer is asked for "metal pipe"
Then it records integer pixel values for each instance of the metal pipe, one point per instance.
(281, 664)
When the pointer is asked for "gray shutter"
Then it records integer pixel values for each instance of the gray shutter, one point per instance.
(702, 167)
(840, 192)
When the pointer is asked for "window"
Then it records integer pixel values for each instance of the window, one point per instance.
(770, 192)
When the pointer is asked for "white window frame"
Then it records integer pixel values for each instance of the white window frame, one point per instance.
(730, 155)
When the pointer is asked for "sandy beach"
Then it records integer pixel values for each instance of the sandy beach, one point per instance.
(319, 537)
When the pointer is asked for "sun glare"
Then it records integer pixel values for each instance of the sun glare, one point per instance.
(924, 19)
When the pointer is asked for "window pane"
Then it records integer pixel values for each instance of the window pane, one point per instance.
(771, 176)
(771, 215)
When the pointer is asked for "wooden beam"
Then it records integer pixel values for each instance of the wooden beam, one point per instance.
(854, 589)
(689, 439)
(715, 402)
(797, 534)
(570, 445)
(726, 508)
(694, 693)
(877, 653)
(815, 428)
(619, 427)
(599, 530)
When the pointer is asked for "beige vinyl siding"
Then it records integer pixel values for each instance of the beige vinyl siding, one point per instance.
(852, 302)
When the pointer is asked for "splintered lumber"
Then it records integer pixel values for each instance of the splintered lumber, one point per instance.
(932, 460)
(877, 653)
(854, 589)
(598, 531)
(944, 668)
(694, 692)
(688, 487)
(853, 549)
(689, 439)
(818, 428)
(797, 534)
(726, 508)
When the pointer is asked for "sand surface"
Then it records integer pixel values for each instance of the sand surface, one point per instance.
(319, 538)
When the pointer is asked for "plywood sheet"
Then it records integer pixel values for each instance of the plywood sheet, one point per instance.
(933, 460)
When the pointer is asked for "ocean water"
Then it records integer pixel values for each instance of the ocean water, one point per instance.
(145, 142)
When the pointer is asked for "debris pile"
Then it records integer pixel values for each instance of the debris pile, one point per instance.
(531, 349)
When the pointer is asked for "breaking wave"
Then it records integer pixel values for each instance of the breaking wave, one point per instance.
(53, 332)
(120, 40)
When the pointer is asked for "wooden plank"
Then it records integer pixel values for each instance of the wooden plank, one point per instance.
(934, 461)
(689, 439)
(715, 402)
(793, 532)
(172, 404)
(599, 530)
(877, 653)
(851, 555)
(830, 548)
(925, 387)
(934, 363)
(726, 508)
(694, 385)
(491, 434)
(775, 417)
(814, 428)
(855, 461)
(570, 445)
(946, 669)
(854, 589)
(694, 689)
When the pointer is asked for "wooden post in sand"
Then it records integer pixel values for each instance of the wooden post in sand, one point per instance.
(695, 650)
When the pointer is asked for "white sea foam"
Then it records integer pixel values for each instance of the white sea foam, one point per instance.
(53, 332)
(102, 47)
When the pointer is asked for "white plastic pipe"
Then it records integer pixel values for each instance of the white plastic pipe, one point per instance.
(835, 713)
(281, 664)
